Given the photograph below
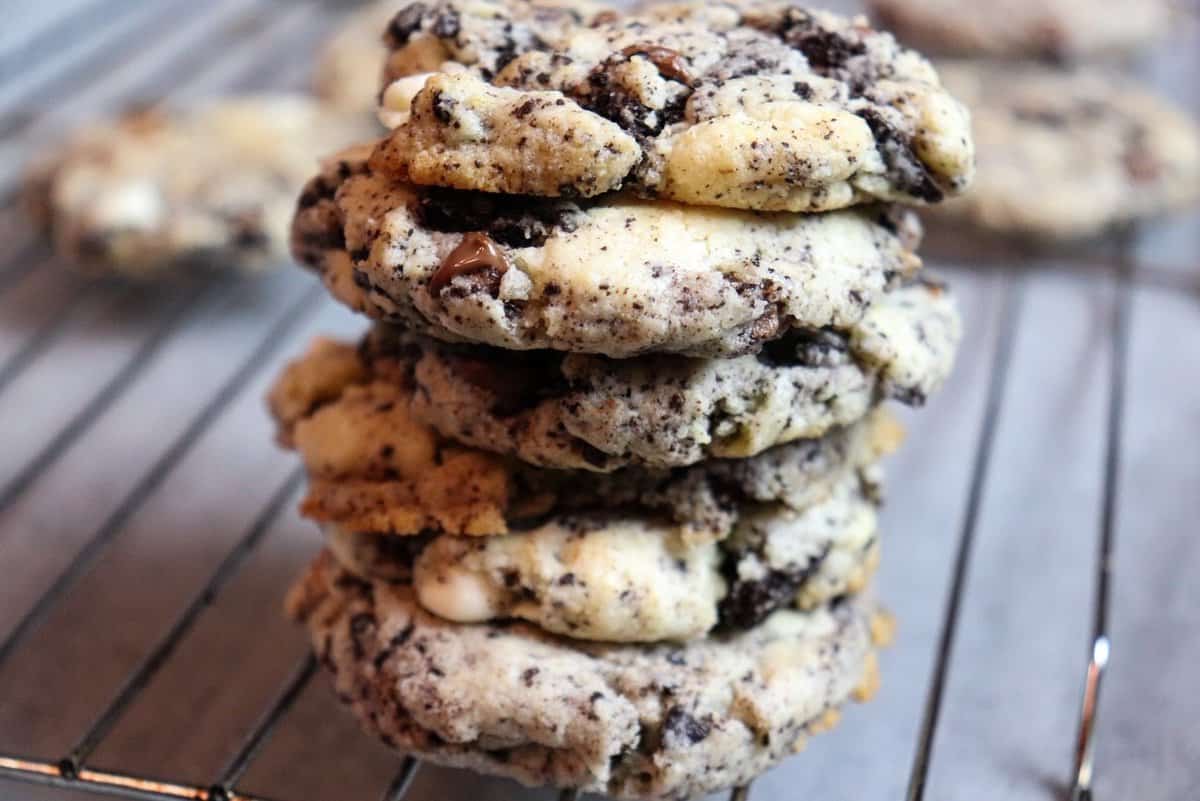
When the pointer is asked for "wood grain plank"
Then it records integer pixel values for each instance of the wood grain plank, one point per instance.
(1149, 739)
(870, 754)
(30, 20)
(157, 562)
(99, 468)
(228, 668)
(1011, 701)
(37, 73)
(36, 301)
(208, 693)
(74, 369)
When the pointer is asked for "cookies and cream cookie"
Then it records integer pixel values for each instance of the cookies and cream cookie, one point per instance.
(350, 64)
(634, 721)
(1070, 153)
(373, 467)
(161, 189)
(592, 413)
(615, 275)
(629, 576)
(762, 106)
(1052, 29)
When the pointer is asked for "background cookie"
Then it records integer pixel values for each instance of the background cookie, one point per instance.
(614, 275)
(1066, 154)
(587, 412)
(160, 189)
(513, 701)
(763, 106)
(350, 63)
(1056, 29)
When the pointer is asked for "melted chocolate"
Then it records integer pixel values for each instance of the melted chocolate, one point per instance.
(477, 253)
(669, 62)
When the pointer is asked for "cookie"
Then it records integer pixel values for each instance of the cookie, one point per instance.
(758, 106)
(616, 275)
(350, 64)
(212, 184)
(372, 467)
(1070, 154)
(632, 721)
(208, 182)
(425, 38)
(591, 413)
(621, 576)
(1051, 29)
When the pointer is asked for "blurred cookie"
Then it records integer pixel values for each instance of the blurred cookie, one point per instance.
(592, 413)
(614, 275)
(373, 467)
(159, 190)
(1069, 154)
(1053, 29)
(757, 106)
(624, 576)
(632, 721)
(350, 64)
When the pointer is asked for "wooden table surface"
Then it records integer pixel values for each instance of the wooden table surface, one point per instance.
(137, 471)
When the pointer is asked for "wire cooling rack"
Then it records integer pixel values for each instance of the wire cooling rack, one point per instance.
(147, 528)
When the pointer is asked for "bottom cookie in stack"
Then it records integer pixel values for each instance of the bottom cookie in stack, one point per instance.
(632, 720)
(649, 633)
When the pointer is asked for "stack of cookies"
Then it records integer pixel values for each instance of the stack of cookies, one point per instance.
(600, 484)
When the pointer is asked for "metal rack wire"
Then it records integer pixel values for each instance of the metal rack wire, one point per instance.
(74, 769)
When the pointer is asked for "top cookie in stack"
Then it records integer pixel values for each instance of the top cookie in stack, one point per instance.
(762, 106)
(600, 484)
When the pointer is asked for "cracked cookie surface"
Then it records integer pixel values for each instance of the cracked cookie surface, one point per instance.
(1070, 154)
(1053, 29)
(756, 106)
(163, 189)
(373, 467)
(588, 412)
(633, 721)
(615, 275)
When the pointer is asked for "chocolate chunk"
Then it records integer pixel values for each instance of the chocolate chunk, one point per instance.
(681, 724)
(447, 25)
(477, 253)
(443, 107)
(825, 50)
(904, 168)
(512, 220)
(668, 62)
(406, 22)
(806, 347)
(593, 455)
(749, 602)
